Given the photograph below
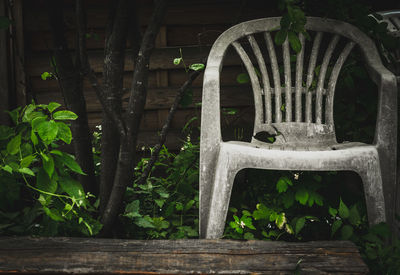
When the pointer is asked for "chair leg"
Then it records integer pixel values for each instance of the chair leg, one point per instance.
(219, 202)
(373, 191)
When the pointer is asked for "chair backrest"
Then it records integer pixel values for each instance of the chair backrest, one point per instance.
(296, 102)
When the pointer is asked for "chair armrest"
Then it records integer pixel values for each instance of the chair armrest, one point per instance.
(210, 110)
(386, 122)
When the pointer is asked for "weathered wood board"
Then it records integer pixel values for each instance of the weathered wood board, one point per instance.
(111, 256)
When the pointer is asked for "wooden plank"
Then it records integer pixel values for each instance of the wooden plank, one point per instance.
(176, 78)
(186, 12)
(162, 58)
(112, 256)
(190, 35)
(160, 98)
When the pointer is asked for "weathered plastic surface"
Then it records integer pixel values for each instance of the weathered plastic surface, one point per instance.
(304, 128)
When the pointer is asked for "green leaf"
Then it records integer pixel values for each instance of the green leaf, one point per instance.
(54, 214)
(52, 106)
(302, 196)
(280, 37)
(70, 162)
(46, 75)
(5, 132)
(14, 144)
(248, 236)
(285, 22)
(44, 183)
(332, 211)
(27, 171)
(281, 220)
(26, 161)
(5, 22)
(145, 222)
(346, 232)
(197, 67)
(160, 202)
(289, 229)
(343, 210)
(281, 185)
(48, 164)
(294, 41)
(47, 131)
(7, 168)
(354, 216)
(288, 199)
(177, 61)
(189, 205)
(300, 224)
(243, 78)
(335, 226)
(261, 212)
(72, 188)
(64, 132)
(132, 210)
(64, 115)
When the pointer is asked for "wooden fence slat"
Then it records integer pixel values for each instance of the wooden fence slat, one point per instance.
(107, 256)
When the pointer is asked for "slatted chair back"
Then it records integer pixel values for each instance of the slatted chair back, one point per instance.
(292, 101)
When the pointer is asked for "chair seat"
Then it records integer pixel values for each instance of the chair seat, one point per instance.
(336, 156)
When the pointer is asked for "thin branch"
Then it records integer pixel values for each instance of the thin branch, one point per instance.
(163, 135)
(89, 73)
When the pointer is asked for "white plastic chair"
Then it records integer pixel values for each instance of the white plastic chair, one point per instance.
(305, 129)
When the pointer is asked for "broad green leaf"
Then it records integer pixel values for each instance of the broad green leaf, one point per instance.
(248, 222)
(56, 152)
(281, 220)
(132, 210)
(26, 161)
(52, 106)
(197, 67)
(332, 211)
(346, 232)
(34, 138)
(72, 188)
(5, 132)
(189, 205)
(26, 149)
(64, 115)
(44, 183)
(300, 224)
(64, 132)
(288, 199)
(281, 185)
(160, 202)
(280, 37)
(335, 226)
(289, 229)
(26, 170)
(145, 222)
(54, 214)
(294, 41)
(261, 212)
(243, 78)
(37, 121)
(7, 168)
(354, 216)
(70, 162)
(179, 206)
(48, 164)
(302, 196)
(14, 144)
(343, 210)
(47, 131)
(285, 22)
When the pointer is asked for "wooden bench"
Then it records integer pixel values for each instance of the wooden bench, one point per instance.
(112, 256)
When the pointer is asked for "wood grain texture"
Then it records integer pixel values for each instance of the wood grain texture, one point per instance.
(108, 256)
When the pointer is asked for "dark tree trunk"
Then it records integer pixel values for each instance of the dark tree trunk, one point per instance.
(114, 56)
(70, 82)
(124, 172)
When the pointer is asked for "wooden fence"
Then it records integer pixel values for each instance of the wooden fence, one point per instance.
(190, 25)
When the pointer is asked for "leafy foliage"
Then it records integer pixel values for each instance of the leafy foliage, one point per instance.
(37, 174)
